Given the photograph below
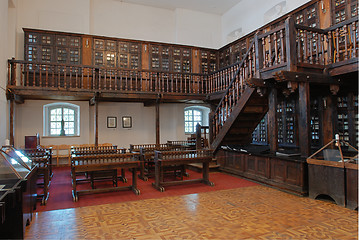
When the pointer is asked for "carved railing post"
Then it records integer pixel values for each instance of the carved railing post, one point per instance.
(198, 137)
(258, 55)
(12, 77)
(290, 42)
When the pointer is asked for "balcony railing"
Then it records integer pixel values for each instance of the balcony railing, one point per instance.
(58, 76)
(286, 47)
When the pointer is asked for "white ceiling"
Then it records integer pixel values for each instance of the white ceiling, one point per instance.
(209, 6)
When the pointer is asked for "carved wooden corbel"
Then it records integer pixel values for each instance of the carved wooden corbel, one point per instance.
(334, 89)
(261, 91)
(292, 86)
(286, 92)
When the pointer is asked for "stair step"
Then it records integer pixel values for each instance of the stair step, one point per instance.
(253, 109)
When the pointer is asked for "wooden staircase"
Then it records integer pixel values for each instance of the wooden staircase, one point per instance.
(243, 120)
(241, 108)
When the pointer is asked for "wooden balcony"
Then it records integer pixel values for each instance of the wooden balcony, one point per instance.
(289, 52)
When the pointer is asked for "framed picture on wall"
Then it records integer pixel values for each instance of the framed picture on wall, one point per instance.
(111, 122)
(127, 122)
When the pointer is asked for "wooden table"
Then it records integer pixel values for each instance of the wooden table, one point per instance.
(104, 162)
(178, 158)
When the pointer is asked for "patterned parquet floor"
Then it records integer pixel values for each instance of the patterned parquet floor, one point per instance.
(256, 212)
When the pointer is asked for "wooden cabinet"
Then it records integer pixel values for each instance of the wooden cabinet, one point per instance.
(343, 10)
(282, 172)
(48, 47)
(32, 141)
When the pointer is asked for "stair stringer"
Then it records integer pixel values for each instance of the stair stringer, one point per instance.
(239, 107)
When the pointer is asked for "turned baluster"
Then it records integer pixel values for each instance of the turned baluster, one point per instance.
(111, 72)
(220, 80)
(337, 45)
(21, 74)
(322, 49)
(82, 78)
(346, 42)
(270, 51)
(168, 83)
(275, 48)
(329, 43)
(281, 59)
(180, 83)
(254, 60)
(264, 52)
(150, 82)
(250, 59)
(33, 74)
(354, 40)
(47, 76)
(317, 48)
(305, 46)
(88, 78)
(27, 75)
(242, 77)
(130, 79)
(71, 81)
(311, 45)
(93, 78)
(120, 78)
(40, 76)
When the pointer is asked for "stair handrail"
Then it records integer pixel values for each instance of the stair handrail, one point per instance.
(240, 66)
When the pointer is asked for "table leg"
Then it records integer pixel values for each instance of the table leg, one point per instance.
(205, 172)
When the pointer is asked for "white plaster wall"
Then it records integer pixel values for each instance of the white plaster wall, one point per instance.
(124, 20)
(249, 15)
(64, 15)
(198, 28)
(3, 71)
(29, 121)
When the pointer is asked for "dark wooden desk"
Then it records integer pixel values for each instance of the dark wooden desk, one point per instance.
(147, 152)
(178, 158)
(99, 175)
(43, 158)
(104, 162)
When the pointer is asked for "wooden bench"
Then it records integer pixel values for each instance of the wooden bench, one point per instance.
(170, 158)
(43, 158)
(100, 150)
(184, 144)
(64, 151)
(147, 152)
(100, 162)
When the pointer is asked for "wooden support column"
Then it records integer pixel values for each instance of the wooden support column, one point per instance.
(94, 101)
(12, 121)
(351, 119)
(272, 120)
(329, 106)
(304, 119)
(157, 123)
(290, 41)
(211, 126)
(96, 123)
(259, 55)
(198, 137)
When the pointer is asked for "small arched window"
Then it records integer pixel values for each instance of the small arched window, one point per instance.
(61, 119)
(192, 116)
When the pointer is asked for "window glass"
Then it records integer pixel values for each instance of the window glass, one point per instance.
(61, 119)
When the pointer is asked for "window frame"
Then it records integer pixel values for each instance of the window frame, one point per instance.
(47, 118)
(184, 118)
